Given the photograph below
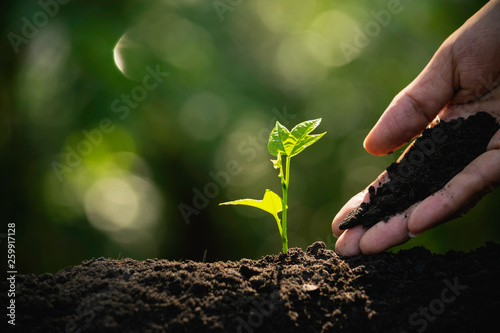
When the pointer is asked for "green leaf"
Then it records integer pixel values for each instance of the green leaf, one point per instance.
(278, 135)
(301, 138)
(271, 203)
(291, 143)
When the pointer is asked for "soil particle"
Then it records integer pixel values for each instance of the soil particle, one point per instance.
(311, 291)
(438, 155)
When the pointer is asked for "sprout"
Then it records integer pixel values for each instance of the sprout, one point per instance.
(287, 144)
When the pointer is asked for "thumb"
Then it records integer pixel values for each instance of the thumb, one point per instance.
(414, 107)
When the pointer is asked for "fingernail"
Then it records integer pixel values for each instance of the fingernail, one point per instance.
(412, 235)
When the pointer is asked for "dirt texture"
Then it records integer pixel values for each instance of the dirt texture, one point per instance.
(438, 155)
(313, 291)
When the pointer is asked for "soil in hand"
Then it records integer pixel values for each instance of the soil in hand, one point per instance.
(438, 155)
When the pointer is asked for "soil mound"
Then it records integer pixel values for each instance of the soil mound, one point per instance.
(312, 291)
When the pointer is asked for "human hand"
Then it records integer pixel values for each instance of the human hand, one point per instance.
(461, 79)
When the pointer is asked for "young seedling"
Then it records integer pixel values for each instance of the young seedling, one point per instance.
(283, 144)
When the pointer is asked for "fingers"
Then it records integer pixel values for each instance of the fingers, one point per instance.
(460, 194)
(416, 106)
(353, 203)
(349, 242)
(384, 235)
(378, 238)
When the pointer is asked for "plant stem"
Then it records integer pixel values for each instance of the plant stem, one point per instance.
(285, 181)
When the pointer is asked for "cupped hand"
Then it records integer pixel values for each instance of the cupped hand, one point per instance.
(461, 79)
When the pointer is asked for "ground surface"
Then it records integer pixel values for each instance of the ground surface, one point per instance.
(312, 291)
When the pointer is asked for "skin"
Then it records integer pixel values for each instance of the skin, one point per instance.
(462, 78)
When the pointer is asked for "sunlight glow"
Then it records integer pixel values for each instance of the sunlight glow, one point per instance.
(116, 55)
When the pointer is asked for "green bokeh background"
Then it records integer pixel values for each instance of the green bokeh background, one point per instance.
(230, 73)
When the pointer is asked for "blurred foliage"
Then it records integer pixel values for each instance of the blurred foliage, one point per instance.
(117, 113)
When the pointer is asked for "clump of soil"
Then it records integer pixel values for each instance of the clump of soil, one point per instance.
(438, 155)
(312, 291)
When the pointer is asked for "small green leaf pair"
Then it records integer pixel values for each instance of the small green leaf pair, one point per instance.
(287, 144)
(284, 142)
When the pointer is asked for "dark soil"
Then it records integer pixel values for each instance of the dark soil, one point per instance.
(437, 156)
(313, 291)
